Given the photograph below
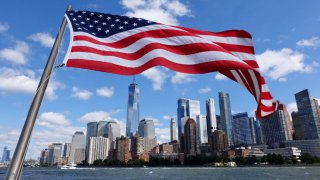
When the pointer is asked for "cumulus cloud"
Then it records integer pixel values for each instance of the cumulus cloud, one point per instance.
(25, 81)
(45, 39)
(277, 64)
(292, 107)
(17, 54)
(312, 42)
(163, 135)
(50, 119)
(105, 91)
(95, 116)
(163, 11)
(157, 77)
(220, 77)
(181, 78)
(81, 94)
(167, 117)
(4, 27)
(204, 90)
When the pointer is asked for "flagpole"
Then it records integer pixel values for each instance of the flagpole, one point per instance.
(15, 167)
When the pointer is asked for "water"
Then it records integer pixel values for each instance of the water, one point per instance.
(184, 173)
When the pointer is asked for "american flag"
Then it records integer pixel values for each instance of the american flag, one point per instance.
(128, 46)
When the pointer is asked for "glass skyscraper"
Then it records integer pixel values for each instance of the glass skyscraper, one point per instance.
(202, 129)
(187, 108)
(211, 116)
(133, 112)
(92, 128)
(78, 145)
(101, 127)
(147, 131)
(5, 154)
(241, 129)
(181, 112)
(308, 115)
(112, 130)
(173, 129)
(225, 116)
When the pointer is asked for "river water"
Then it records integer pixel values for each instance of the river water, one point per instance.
(192, 173)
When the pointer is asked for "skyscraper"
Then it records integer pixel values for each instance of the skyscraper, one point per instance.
(5, 154)
(225, 116)
(54, 154)
(218, 141)
(202, 129)
(297, 126)
(123, 149)
(211, 116)
(308, 115)
(173, 129)
(147, 131)
(101, 127)
(98, 148)
(133, 112)
(92, 128)
(258, 132)
(78, 145)
(186, 108)
(181, 112)
(66, 151)
(252, 130)
(275, 127)
(191, 142)
(112, 130)
(241, 129)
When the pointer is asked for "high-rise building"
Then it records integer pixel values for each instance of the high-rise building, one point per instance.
(181, 113)
(92, 128)
(241, 129)
(137, 146)
(78, 146)
(219, 124)
(308, 114)
(123, 149)
(54, 154)
(225, 116)
(112, 130)
(211, 116)
(258, 132)
(187, 108)
(133, 112)
(66, 151)
(252, 130)
(101, 127)
(173, 129)
(296, 126)
(146, 130)
(202, 129)
(218, 141)
(98, 148)
(43, 160)
(275, 127)
(191, 142)
(5, 154)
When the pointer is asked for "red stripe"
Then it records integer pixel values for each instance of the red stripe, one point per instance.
(229, 33)
(236, 48)
(159, 61)
(252, 63)
(266, 96)
(249, 82)
(181, 50)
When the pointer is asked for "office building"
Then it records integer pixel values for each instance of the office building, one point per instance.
(225, 116)
(308, 114)
(66, 151)
(258, 132)
(187, 108)
(54, 154)
(92, 128)
(173, 129)
(201, 122)
(241, 129)
(275, 127)
(252, 131)
(211, 116)
(98, 149)
(112, 130)
(311, 146)
(146, 130)
(137, 146)
(5, 154)
(297, 126)
(123, 149)
(101, 127)
(218, 142)
(78, 146)
(133, 111)
(191, 142)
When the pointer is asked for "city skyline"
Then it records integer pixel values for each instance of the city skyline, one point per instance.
(73, 98)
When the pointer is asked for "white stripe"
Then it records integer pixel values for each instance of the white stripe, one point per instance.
(265, 88)
(244, 56)
(267, 102)
(70, 40)
(239, 80)
(229, 40)
(255, 83)
(265, 113)
(179, 59)
(124, 34)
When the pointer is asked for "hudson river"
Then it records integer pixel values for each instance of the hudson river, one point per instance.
(192, 173)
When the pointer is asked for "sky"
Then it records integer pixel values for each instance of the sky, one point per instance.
(285, 34)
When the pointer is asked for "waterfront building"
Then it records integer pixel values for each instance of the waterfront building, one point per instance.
(101, 127)
(78, 146)
(54, 154)
(285, 152)
(252, 130)
(202, 129)
(297, 126)
(98, 149)
(191, 142)
(225, 116)
(137, 146)
(43, 159)
(173, 129)
(146, 130)
(187, 108)
(176, 146)
(219, 124)
(133, 111)
(306, 146)
(211, 116)
(66, 151)
(218, 142)
(166, 148)
(241, 129)
(308, 115)
(275, 127)
(123, 149)
(92, 128)
(5, 154)
(258, 132)
(112, 130)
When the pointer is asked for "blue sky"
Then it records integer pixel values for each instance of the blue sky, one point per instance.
(285, 33)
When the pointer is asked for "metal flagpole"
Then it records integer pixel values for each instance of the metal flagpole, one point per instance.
(15, 168)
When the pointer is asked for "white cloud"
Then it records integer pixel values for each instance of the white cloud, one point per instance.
(220, 77)
(16, 55)
(95, 116)
(45, 39)
(277, 64)
(81, 94)
(25, 81)
(50, 119)
(105, 91)
(204, 90)
(163, 11)
(292, 107)
(4, 27)
(167, 117)
(156, 76)
(181, 78)
(163, 135)
(312, 42)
